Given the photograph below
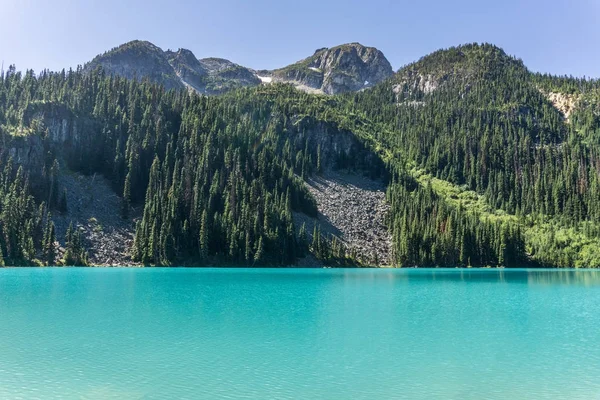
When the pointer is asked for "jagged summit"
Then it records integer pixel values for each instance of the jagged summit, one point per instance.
(225, 75)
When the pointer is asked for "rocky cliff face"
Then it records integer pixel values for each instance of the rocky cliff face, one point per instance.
(188, 68)
(338, 148)
(55, 121)
(27, 151)
(345, 68)
(48, 129)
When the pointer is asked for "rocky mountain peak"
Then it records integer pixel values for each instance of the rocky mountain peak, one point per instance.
(137, 60)
(345, 68)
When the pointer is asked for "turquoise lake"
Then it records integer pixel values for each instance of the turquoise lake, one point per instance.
(299, 334)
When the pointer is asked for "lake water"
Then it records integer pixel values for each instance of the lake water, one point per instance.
(299, 334)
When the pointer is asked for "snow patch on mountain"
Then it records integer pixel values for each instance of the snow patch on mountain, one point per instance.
(265, 79)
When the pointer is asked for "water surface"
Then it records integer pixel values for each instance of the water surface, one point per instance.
(299, 334)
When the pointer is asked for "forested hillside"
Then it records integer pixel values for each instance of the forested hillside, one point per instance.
(487, 164)
(217, 178)
(481, 130)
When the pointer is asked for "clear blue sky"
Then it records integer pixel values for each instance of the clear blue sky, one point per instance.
(557, 36)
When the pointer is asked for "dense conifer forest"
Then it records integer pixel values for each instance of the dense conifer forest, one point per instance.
(483, 169)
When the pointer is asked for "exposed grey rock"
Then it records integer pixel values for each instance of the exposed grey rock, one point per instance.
(188, 69)
(174, 69)
(210, 75)
(351, 206)
(27, 151)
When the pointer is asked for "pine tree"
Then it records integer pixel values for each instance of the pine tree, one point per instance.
(203, 239)
(75, 254)
(49, 248)
(302, 239)
(126, 200)
(259, 253)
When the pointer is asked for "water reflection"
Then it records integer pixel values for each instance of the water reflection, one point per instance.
(565, 277)
(580, 277)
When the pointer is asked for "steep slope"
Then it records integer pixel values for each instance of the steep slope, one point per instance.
(188, 68)
(577, 99)
(91, 209)
(457, 70)
(470, 82)
(346, 68)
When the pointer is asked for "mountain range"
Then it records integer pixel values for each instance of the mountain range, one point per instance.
(345, 68)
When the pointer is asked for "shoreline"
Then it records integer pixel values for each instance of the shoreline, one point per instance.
(301, 267)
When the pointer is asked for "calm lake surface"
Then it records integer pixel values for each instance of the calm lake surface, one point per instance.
(299, 334)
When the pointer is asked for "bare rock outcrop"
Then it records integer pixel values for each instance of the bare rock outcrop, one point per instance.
(565, 103)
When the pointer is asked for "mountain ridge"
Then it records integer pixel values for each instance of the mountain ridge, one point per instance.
(344, 68)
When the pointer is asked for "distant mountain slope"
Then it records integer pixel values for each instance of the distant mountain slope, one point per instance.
(210, 75)
(226, 75)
